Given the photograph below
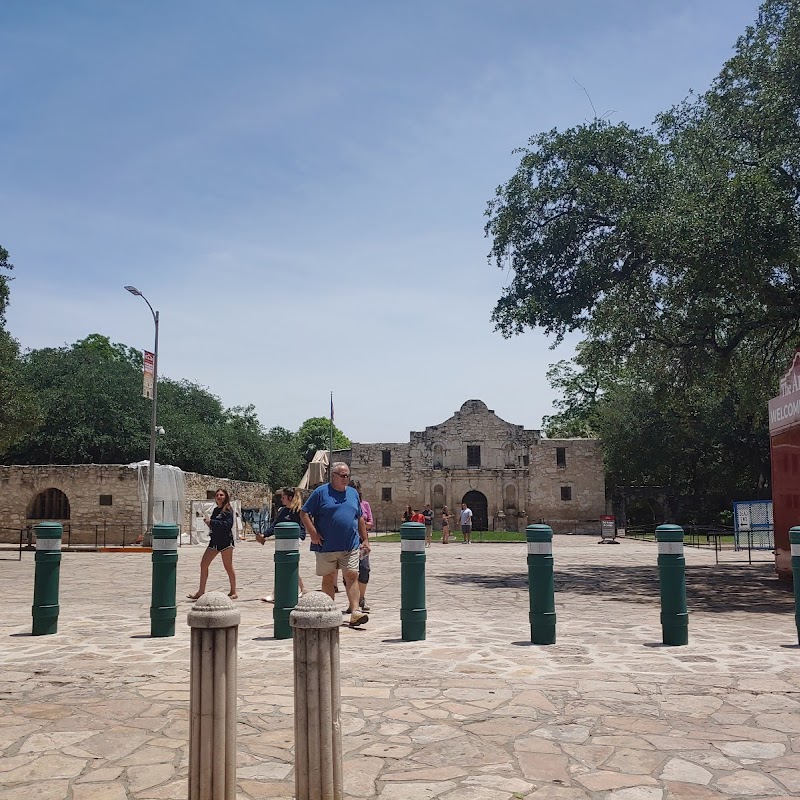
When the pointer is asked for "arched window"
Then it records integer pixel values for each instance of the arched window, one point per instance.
(438, 497)
(511, 498)
(49, 504)
(438, 456)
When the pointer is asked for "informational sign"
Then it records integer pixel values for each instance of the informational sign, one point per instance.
(784, 410)
(149, 374)
(608, 527)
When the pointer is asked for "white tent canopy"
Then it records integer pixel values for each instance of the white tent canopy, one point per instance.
(317, 472)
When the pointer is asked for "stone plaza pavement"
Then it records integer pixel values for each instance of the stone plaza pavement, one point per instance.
(99, 711)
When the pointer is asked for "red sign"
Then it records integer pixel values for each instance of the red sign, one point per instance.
(149, 374)
(784, 410)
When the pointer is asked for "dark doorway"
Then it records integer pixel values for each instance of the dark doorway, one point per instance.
(476, 502)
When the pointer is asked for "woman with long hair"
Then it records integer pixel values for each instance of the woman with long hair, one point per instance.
(445, 526)
(220, 540)
(291, 503)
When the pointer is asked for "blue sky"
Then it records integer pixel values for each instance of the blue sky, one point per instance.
(299, 188)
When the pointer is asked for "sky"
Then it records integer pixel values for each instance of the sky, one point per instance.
(299, 188)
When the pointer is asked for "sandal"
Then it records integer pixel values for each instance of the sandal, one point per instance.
(268, 599)
(233, 595)
(194, 596)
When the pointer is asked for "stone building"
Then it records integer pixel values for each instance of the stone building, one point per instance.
(509, 476)
(105, 504)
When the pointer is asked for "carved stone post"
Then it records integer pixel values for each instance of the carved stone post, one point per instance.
(214, 621)
(317, 699)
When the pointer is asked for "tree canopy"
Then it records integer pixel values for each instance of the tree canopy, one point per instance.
(675, 250)
(87, 407)
(315, 433)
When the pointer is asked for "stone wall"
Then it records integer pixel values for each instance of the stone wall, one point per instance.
(514, 476)
(101, 501)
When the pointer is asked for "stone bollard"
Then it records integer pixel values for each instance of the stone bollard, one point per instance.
(287, 571)
(214, 621)
(794, 543)
(317, 699)
(672, 580)
(45, 581)
(413, 613)
(541, 591)
(163, 608)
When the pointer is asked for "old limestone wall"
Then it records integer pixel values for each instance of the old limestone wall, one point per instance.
(96, 503)
(580, 470)
(102, 500)
(509, 475)
(203, 487)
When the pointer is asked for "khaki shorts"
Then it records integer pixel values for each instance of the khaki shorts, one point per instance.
(345, 560)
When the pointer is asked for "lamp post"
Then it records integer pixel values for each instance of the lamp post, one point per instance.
(151, 472)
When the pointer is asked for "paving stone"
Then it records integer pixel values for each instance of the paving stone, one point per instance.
(41, 790)
(543, 766)
(360, 774)
(99, 791)
(747, 782)
(144, 777)
(605, 781)
(680, 770)
(415, 791)
(752, 749)
(44, 768)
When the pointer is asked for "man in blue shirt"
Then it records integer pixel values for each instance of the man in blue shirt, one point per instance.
(332, 518)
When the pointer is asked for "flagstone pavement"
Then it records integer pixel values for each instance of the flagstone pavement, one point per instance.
(475, 712)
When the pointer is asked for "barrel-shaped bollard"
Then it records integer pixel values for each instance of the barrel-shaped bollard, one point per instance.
(794, 543)
(214, 620)
(541, 592)
(287, 572)
(45, 581)
(413, 613)
(317, 699)
(163, 608)
(672, 580)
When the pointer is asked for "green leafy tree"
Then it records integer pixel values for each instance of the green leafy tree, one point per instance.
(18, 409)
(314, 434)
(676, 251)
(284, 464)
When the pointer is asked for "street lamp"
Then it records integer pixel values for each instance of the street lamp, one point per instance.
(151, 472)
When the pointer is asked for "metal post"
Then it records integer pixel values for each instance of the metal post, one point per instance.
(287, 571)
(794, 542)
(163, 608)
(413, 613)
(541, 591)
(45, 581)
(214, 621)
(317, 699)
(672, 581)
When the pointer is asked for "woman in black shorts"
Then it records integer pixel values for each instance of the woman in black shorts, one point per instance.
(220, 525)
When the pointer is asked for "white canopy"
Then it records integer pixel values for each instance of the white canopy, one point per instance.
(317, 472)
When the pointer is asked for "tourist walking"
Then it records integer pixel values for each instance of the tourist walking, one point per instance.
(466, 523)
(363, 557)
(220, 526)
(445, 526)
(291, 501)
(427, 515)
(333, 518)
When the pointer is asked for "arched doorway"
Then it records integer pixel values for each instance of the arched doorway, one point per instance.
(49, 504)
(476, 502)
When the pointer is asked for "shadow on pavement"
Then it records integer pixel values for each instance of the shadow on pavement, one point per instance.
(708, 588)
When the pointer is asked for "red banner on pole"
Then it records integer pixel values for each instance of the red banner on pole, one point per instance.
(149, 374)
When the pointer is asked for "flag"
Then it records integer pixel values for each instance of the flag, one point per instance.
(331, 408)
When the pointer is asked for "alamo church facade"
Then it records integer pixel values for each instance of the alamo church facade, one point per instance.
(509, 476)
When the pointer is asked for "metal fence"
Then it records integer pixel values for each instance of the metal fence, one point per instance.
(12, 539)
(722, 539)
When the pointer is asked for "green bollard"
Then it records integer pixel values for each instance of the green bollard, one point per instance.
(45, 582)
(287, 572)
(540, 584)
(672, 579)
(794, 541)
(413, 614)
(163, 607)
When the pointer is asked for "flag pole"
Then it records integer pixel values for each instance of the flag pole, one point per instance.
(330, 449)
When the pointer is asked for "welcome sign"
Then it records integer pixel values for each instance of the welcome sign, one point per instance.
(784, 410)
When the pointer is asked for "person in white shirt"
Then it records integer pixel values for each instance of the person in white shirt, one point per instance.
(466, 523)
